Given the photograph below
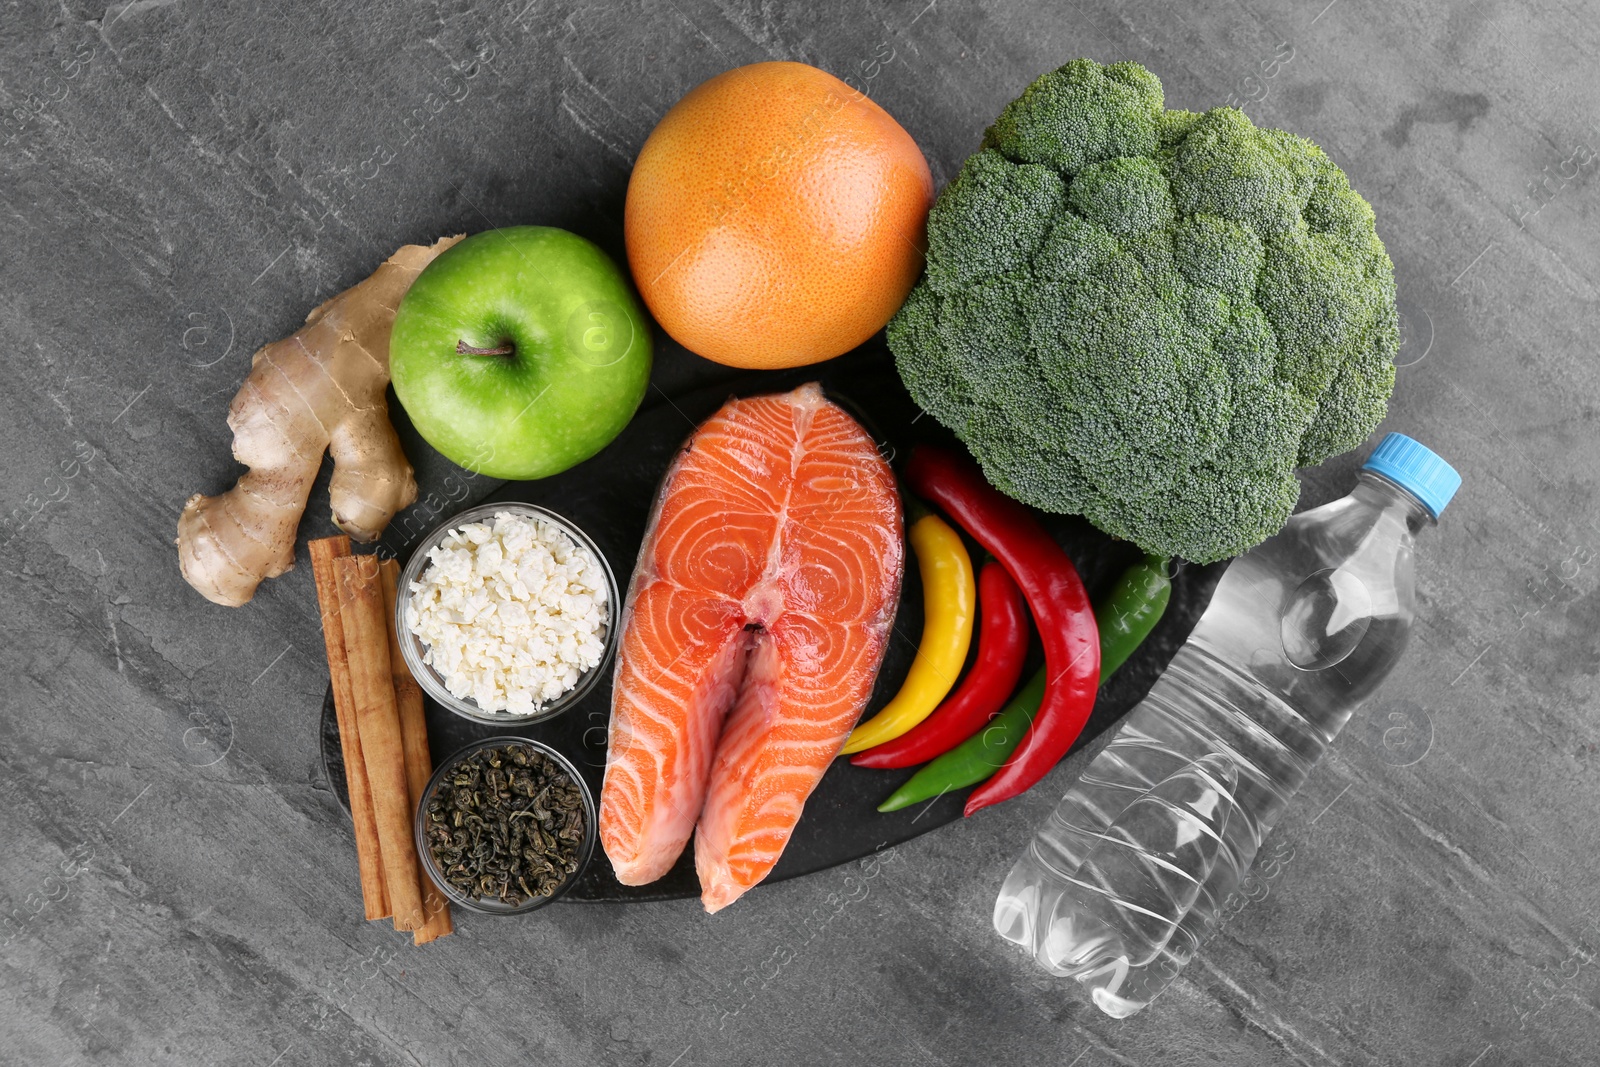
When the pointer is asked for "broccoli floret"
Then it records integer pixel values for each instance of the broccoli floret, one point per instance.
(1150, 318)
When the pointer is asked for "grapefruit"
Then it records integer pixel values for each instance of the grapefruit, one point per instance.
(776, 217)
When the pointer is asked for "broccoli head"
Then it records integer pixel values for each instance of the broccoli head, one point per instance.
(1150, 317)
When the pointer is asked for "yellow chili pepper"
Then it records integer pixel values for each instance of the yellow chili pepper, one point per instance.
(950, 602)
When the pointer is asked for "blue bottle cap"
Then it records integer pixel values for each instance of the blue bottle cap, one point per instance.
(1415, 468)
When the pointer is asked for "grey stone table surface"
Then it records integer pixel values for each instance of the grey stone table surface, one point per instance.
(182, 181)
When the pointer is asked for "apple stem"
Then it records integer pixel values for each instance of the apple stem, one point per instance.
(467, 350)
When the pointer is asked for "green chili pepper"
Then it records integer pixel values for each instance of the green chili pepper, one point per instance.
(1125, 618)
(1130, 611)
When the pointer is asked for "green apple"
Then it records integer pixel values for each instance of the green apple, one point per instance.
(520, 352)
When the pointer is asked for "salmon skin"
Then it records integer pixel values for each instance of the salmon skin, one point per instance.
(752, 633)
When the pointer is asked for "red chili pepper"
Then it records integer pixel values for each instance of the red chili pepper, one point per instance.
(1061, 611)
(1002, 646)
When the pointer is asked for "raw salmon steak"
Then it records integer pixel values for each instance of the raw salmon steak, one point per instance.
(752, 633)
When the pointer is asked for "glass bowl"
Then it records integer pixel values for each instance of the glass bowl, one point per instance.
(591, 830)
(411, 647)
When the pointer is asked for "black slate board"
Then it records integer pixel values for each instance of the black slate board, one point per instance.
(609, 497)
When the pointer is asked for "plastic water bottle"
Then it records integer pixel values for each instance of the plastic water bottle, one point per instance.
(1131, 872)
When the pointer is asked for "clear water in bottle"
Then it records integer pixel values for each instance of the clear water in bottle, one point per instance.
(1127, 877)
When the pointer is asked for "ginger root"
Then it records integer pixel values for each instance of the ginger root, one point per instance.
(320, 389)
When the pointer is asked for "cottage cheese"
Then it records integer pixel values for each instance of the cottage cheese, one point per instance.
(510, 613)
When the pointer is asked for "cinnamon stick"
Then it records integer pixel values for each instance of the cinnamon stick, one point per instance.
(414, 736)
(369, 860)
(366, 646)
